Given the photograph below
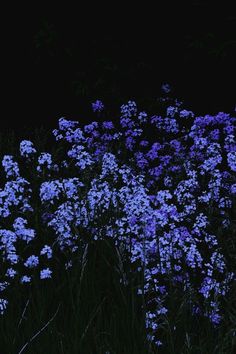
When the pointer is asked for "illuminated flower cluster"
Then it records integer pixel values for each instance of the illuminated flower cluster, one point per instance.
(160, 201)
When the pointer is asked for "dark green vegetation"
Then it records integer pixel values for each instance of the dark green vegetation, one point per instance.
(88, 311)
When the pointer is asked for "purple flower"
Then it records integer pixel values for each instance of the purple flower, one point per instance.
(97, 106)
(186, 114)
(128, 110)
(65, 124)
(171, 111)
(140, 160)
(130, 143)
(89, 128)
(142, 117)
(215, 134)
(233, 188)
(231, 158)
(108, 125)
(144, 143)
(46, 217)
(152, 154)
(133, 220)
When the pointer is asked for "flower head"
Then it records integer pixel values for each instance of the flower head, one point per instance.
(97, 106)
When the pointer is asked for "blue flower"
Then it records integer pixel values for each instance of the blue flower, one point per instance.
(25, 279)
(31, 262)
(45, 273)
(27, 148)
(47, 251)
(3, 305)
(11, 168)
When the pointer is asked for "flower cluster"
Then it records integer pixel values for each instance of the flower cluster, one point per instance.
(160, 201)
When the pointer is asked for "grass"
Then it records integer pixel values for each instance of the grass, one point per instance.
(88, 310)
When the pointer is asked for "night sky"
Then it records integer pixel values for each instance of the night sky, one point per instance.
(57, 61)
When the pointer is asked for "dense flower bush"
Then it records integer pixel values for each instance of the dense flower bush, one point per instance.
(166, 199)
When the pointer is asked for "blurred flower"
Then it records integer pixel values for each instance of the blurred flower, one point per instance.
(97, 106)
(166, 88)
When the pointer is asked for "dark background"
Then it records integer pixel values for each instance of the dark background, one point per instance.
(57, 61)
